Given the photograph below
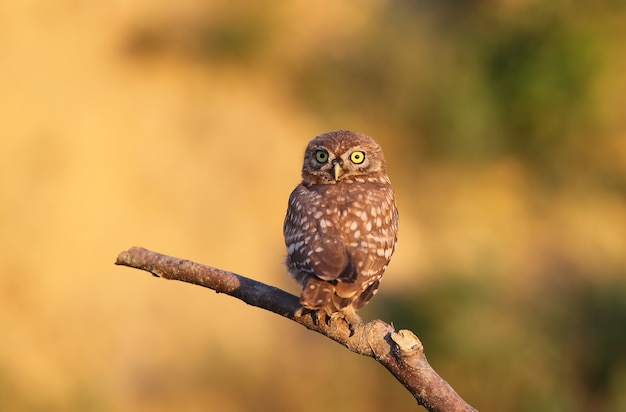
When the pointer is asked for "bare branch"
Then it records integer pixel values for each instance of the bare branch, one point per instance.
(400, 352)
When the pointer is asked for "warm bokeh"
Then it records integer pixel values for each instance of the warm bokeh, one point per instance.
(180, 126)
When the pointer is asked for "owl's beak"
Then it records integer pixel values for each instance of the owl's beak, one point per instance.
(338, 171)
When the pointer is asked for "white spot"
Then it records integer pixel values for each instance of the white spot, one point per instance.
(357, 233)
(312, 287)
(379, 222)
(324, 223)
(319, 249)
(291, 248)
(380, 252)
(317, 214)
(368, 226)
(353, 225)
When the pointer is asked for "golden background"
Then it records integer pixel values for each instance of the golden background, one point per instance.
(180, 126)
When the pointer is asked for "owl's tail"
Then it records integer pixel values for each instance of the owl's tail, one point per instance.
(317, 294)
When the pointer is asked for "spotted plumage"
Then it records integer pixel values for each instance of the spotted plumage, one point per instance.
(341, 223)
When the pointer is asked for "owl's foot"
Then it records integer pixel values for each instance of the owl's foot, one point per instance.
(317, 316)
(349, 316)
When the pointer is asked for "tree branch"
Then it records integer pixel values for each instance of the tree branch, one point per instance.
(400, 352)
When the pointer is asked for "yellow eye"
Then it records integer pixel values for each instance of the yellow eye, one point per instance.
(321, 156)
(357, 157)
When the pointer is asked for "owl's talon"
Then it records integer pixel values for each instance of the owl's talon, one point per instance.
(352, 319)
(303, 311)
(315, 315)
(298, 313)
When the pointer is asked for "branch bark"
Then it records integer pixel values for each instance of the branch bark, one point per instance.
(400, 352)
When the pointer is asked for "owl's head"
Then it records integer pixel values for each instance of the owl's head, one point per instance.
(335, 156)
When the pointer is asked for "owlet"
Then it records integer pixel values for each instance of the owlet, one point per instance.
(342, 222)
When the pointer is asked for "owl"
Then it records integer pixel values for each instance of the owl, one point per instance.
(342, 222)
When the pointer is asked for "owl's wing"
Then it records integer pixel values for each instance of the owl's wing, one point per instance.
(324, 257)
(335, 262)
(314, 243)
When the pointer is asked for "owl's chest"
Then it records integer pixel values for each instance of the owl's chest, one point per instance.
(339, 199)
(350, 208)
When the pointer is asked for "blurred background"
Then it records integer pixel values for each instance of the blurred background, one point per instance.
(180, 126)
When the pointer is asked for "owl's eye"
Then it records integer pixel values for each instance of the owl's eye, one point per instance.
(321, 156)
(357, 157)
